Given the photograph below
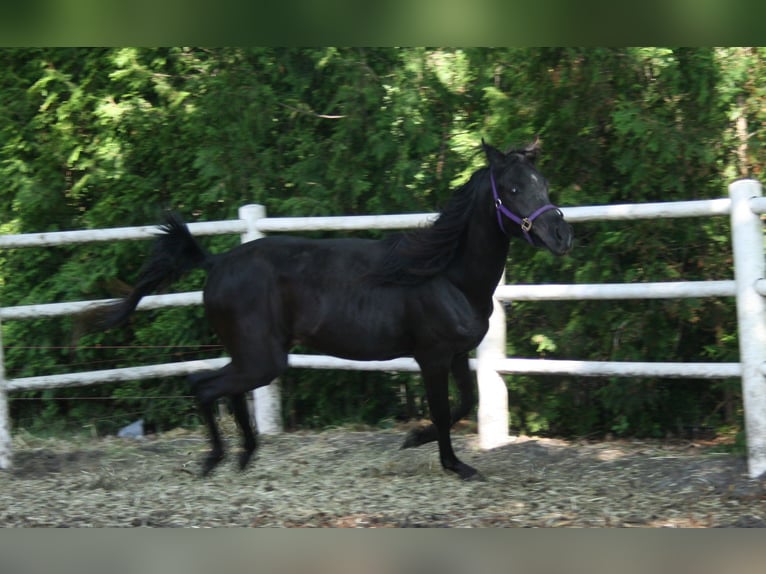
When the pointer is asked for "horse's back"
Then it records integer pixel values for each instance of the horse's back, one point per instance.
(312, 291)
(293, 255)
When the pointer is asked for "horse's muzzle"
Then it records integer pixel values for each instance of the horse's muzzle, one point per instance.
(556, 235)
(564, 236)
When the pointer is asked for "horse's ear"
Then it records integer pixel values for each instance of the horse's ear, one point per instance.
(532, 150)
(494, 155)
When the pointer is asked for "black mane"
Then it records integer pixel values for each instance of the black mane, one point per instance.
(416, 255)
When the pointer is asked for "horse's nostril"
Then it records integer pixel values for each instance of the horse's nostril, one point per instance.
(564, 235)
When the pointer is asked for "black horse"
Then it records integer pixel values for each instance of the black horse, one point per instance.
(425, 293)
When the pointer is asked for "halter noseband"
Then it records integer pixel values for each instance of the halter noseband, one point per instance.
(524, 222)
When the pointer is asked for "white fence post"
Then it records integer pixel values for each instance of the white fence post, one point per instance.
(493, 394)
(749, 268)
(5, 415)
(267, 400)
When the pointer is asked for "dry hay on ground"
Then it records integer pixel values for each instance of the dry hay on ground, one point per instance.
(343, 478)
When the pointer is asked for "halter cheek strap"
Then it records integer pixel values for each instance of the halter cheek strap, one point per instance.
(524, 222)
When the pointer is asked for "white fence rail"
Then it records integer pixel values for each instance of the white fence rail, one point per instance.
(749, 287)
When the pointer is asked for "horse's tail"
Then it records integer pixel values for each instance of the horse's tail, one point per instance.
(175, 253)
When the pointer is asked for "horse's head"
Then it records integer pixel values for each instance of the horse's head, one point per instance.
(520, 194)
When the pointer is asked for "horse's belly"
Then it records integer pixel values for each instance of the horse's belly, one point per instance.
(361, 336)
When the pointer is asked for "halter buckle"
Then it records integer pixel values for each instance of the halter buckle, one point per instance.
(526, 225)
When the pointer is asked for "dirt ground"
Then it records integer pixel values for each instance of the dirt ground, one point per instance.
(346, 478)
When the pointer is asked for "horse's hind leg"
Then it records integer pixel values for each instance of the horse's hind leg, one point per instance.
(207, 411)
(208, 390)
(233, 382)
(216, 451)
(461, 373)
(242, 416)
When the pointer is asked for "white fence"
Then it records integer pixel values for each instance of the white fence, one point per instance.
(744, 207)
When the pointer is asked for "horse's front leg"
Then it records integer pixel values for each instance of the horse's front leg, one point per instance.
(436, 380)
(464, 380)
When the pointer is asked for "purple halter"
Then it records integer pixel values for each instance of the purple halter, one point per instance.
(524, 222)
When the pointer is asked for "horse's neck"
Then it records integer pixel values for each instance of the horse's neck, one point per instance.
(481, 261)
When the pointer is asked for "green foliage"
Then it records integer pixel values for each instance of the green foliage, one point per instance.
(107, 137)
(629, 125)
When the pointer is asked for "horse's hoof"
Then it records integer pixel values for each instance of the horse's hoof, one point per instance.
(475, 477)
(244, 459)
(466, 472)
(420, 436)
(409, 442)
(210, 462)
